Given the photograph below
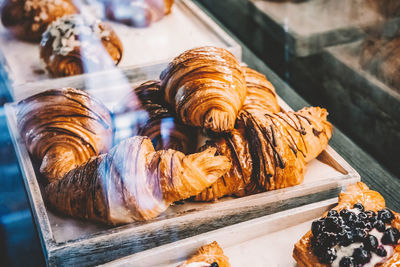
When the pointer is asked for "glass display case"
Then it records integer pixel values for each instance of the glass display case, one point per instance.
(174, 133)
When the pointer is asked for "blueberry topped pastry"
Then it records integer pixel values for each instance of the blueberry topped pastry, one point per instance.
(210, 255)
(360, 231)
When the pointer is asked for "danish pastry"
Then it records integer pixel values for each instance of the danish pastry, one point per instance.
(28, 19)
(210, 255)
(359, 231)
(77, 44)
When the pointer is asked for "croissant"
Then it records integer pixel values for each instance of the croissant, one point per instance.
(379, 56)
(210, 255)
(206, 87)
(77, 44)
(387, 8)
(280, 145)
(63, 128)
(133, 182)
(372, 240)
(28, 19)
(260, 92)
(136, 13)
(150, 116)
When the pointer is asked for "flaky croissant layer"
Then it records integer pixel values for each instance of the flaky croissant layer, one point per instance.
(133, 182)
(63, 128)
(206, 86)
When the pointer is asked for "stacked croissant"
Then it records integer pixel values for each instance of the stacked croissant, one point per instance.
(73, 41)
(252, 146)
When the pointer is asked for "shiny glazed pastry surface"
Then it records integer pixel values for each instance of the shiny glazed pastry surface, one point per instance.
(63, 128)
(357, 198)
(206, 87)
(149, 115)
(210, 255)
(79, 44)
(28, 19)
(133, 182)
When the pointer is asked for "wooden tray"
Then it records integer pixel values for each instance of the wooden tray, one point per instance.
(185, 28)
(265, 241)
(68, 241)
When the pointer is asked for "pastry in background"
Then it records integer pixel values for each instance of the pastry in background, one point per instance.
(206, 87)
(144, 112)
(28, 19)
(63, 128)
(269, 151)
(379, 56)
(260, 92)
(77, 44)
(136, 13)
(210, 255)
(133, 182)
(359, 231)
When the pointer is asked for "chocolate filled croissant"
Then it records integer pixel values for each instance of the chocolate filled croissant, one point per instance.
(372, 241)
(133, 182)
(210, 255)
(260, 92)
(206, 87)
(63, 128)
(79, 44)
(280, 145)
(28, 19)
(379, 56)
(147, 114)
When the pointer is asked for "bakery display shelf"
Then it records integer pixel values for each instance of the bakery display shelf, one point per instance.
(68, 241)
(185, 28)
(265, 241)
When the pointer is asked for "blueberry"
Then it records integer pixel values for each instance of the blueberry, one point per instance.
(370, 214)
(380, 251)
(214, 264)
(328, 239)
(379, 225)
(333, 213)
(362, 216)
(317, 227)
(371, 242)
(358, 206)
(328, 256)
(385, 215)
(347, 262)
(361, 256)
(346, 239)
(332, 224)
(390, 236)
(343, 212)
(359, 235)
(350, 218)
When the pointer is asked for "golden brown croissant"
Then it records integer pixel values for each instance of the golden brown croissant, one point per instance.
(206, 87)
(147, 114)
(133, 182)
(361, 231)
(260, 92)
(379, 56)
(210, 255)
(280, 145)
(28, 19)
(77, 44)
(63, 128)
(168, 6)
